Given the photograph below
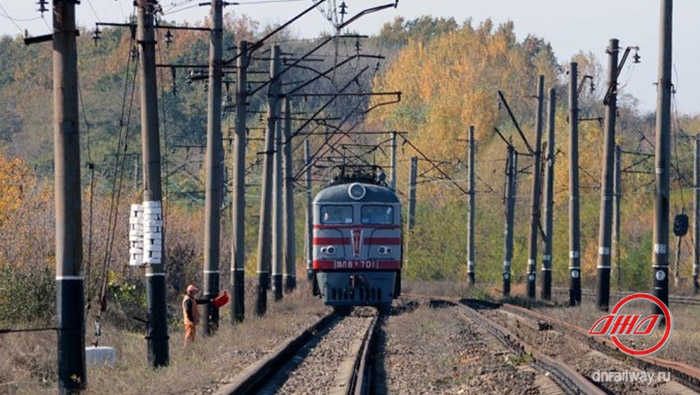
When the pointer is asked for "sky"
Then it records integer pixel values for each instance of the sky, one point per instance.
(570, 26)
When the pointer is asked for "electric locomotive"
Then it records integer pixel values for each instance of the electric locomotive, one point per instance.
(357, 244)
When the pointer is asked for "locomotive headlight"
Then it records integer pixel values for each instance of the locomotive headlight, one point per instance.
(384, 250)
(356, 191)
(330, 250)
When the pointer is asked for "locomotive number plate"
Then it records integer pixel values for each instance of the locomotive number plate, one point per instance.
(368, 264)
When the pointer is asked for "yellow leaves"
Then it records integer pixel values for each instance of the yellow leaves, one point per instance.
(15, 181)
(452, 81)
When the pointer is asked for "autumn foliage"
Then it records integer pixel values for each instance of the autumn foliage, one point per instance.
(449, 75)
(451, 82)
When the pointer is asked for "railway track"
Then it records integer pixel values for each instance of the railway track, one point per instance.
(335, 356)
(672, 299)
(686, 375)
(565, 376)
(334, 352)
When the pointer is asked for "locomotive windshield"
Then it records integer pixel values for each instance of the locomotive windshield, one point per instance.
(377, 214)
(336, 214)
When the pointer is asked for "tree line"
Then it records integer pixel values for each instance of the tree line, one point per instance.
(449, 74)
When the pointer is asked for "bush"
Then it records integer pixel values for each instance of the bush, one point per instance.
(27, 295)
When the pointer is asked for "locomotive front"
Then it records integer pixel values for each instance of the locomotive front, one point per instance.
(357, 244)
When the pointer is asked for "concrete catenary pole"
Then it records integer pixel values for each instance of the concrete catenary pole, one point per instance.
(214, 164)
(662, 158)
(696, 216)
(412, 179)
(277, 212)
(70, 299)
(617, 192)
(393, 160)
(265, 226)
(290, 250)
(606, 190)
(536, 192)
(237, 281)
(157, 328)
(309, 219)
(546, 292)
(574, 202)
(511, 186)
(472, 210)
(411, 209)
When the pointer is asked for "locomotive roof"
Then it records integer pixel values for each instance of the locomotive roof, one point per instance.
(339, 194)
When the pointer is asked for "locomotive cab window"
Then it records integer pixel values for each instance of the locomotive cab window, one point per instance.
(377, 215)
(336, 214)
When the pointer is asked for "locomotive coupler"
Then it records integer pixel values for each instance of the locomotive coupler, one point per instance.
(357, 280)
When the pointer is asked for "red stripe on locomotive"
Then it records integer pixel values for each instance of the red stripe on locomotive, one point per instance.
(331, 240)
(392, 241)
(366, 241)
(355, 226)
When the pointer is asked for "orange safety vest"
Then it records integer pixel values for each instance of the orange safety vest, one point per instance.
(195, 310)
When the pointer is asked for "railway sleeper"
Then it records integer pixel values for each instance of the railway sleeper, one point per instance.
(570, 380)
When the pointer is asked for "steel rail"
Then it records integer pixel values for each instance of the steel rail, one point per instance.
(564, 375)
(681, 372)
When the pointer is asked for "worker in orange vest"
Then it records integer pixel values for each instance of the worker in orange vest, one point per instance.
(190, 312)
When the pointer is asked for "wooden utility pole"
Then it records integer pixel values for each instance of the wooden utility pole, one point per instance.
(536, 192)
(157, 331)
(237, 282)
(70, 299)
(265, 227)
(662, 158)
(574, 210)
(472, 209)
(546, 292)
(290, 251)
(214, 162)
